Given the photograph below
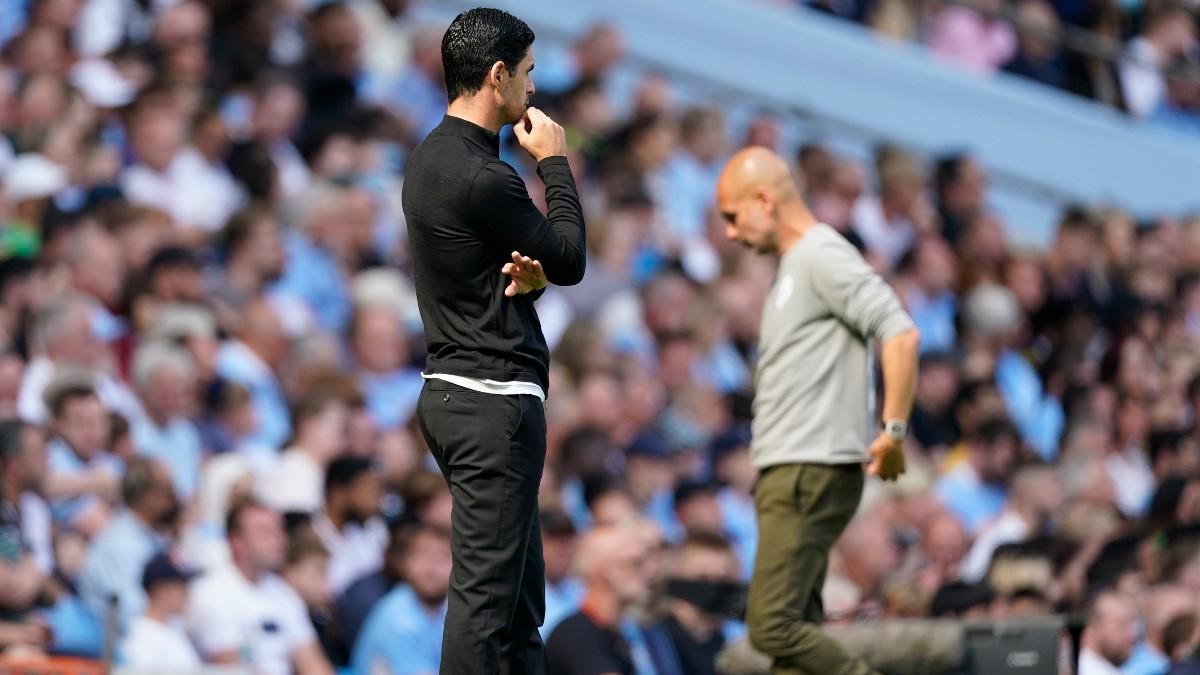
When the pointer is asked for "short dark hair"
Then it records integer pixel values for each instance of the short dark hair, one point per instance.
(240, 227)
(956, 598)
(400, 544)
(476, 40)
(237, 511)
(344, 470)
(58, 395)
(140, 479)
(11, 442)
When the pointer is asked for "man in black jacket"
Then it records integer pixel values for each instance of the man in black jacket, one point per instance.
(482, 253)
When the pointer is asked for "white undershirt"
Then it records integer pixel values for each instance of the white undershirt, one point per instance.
(490, 386)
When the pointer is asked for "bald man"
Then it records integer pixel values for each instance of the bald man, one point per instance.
(813, 404)
(615, 564)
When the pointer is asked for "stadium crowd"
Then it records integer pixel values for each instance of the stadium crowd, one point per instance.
(1138, 56)
(210, 356)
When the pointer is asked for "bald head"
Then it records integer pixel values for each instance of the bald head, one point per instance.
(760, 202)
(602, 547)
(756, 169)
(263, 332)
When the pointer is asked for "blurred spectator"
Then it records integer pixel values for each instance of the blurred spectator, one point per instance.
(1164, 604)
(944, 545)
(960, 184)
(1168, 32)
(591, 55)
(349, 525)
(244, 613)
(225, 480)
(1109, 636)
(155, 641)
(1035, 497)
(976, 491)
(387, 35)
(254, 256)
(703, 567)
(689, 180)
(890, 224)
(278, 109)
(250, 360)
(297, 481)
(1038, 34)
(735, 471)
(1180, 107)
(418, 93)
(381, 351)
(933, 423)
(564, 592)
(64, 339)
(613, 570)
(165, 377)
(120, 551)
(959, 600)
(84, 476)
(403, 633)
(306, 571)
(974, 37)
(25, 521)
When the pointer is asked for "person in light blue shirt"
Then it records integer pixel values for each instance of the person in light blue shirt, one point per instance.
(974, 491)
(380, 349)
(1039, 416)
(733, 468)
(689, 179)
(118, 554)
(418, 94)
(166, 380)
(312, 272)
(250, 361)
(81, 469)
(403, 633)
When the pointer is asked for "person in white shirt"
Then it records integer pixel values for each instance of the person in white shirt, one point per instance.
(245, 613)
(350, 526)
(156, 642)
(1036, 495)
(1109, 636)
(297, 481)
(1168, 33)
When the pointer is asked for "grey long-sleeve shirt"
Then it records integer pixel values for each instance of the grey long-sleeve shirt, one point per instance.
(813, 395)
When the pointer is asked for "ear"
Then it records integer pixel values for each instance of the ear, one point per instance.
(497, 73)
(765, 198)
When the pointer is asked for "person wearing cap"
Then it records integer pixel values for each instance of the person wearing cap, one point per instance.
(156, 642)
(813, 404)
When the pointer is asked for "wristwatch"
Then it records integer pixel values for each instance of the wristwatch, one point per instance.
(896, 429)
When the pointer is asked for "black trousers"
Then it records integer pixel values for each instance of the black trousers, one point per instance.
(491, 449)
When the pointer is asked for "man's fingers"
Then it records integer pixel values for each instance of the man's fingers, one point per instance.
(511, 290)
(536, 116)
(508, 267)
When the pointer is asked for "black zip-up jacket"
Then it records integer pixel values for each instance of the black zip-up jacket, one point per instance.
(467, 211)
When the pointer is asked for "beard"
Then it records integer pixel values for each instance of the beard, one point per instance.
(431, 599)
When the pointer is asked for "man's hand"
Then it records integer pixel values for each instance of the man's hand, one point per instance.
(539, 135)
(887, 458)
(527, 275)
